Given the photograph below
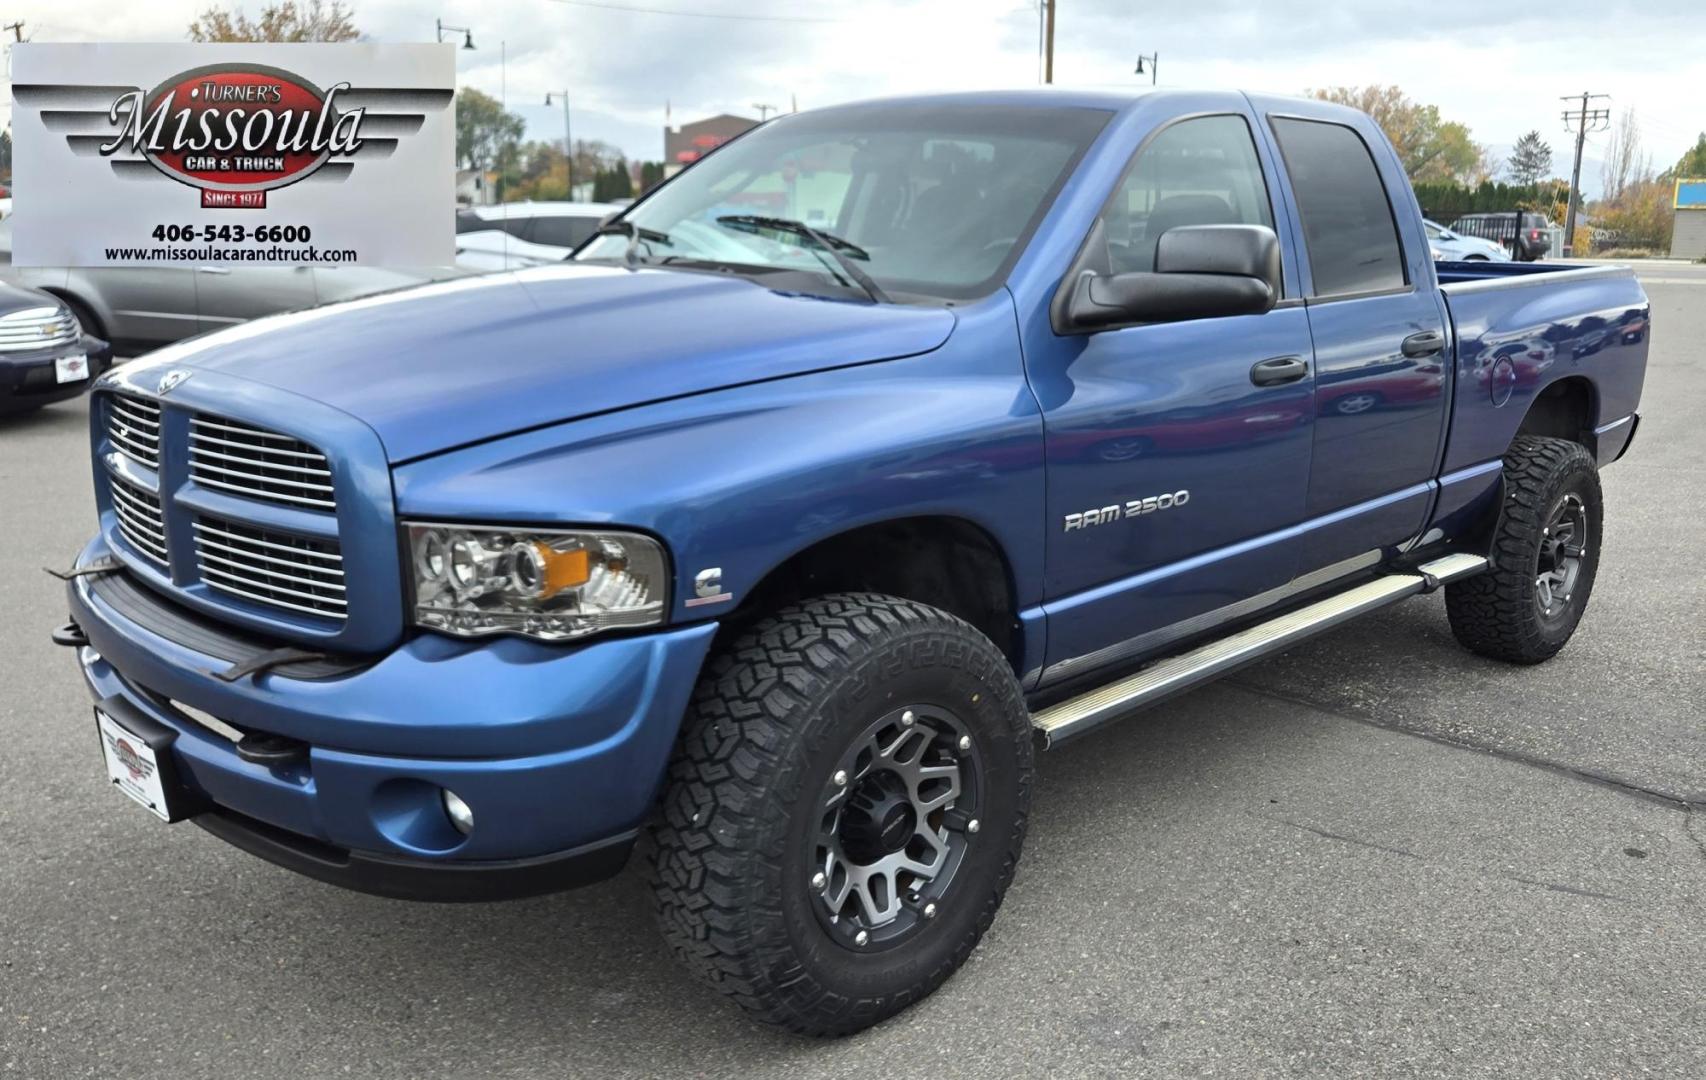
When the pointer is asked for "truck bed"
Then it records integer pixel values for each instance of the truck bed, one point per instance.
(1532, 325)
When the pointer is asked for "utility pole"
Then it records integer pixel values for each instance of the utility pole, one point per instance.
(764, 111)
(568, 143)
(1048, 42)
(1581, 118)
(17, 29)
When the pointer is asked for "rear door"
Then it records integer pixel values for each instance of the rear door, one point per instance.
(1174, 463)
(1380, 335)
(227, 295)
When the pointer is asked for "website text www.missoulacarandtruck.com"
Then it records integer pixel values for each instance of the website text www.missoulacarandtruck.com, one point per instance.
(274, 254)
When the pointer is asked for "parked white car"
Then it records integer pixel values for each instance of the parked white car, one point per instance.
(509, 236)
(1455, 247)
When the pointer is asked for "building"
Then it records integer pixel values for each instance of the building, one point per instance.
(688, 143)
(475, 188)
(1688, 228)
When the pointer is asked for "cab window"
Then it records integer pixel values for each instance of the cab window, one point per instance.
(1348, 227)
(1202, 171)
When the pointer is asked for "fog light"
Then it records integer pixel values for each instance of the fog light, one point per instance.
(459, 813)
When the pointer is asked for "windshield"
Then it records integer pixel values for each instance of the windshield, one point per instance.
(929, 200)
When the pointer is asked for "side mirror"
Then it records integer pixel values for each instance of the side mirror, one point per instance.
(1201, 272)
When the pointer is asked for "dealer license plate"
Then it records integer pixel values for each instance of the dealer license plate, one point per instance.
(73, 368)
(133, 766)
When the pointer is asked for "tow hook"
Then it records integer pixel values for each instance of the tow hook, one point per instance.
(260, 748)
(70, 635)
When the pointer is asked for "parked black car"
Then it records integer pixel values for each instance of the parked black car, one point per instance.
(44, 355)
(1522, 233)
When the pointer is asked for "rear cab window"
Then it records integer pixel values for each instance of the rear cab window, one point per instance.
(566, 231)
(1349, 230)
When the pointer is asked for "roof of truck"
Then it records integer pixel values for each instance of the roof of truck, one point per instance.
(1060, 96)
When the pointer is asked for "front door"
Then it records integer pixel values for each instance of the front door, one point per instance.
(1175, 457)
(146, 305)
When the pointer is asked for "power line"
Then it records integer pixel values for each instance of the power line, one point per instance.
(700, 14)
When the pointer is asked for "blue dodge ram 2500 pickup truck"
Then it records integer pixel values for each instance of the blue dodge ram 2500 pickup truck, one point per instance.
(778, 529)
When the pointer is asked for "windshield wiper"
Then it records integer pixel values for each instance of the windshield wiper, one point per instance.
(634, 233)
(843, 252)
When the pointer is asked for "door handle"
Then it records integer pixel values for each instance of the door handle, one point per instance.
(213, 270)
(1425, 343)
(1279, 370)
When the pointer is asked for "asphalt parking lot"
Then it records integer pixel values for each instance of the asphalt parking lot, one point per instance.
(1375, 855)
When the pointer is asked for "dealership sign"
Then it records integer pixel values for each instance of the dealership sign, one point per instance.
(217, 154)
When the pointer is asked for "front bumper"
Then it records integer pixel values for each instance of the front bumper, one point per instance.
(559, 751)
(27, 379)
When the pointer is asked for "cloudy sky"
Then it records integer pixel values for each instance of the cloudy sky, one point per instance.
(1499, 67)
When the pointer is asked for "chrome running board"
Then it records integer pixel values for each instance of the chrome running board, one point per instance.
(1176, 674)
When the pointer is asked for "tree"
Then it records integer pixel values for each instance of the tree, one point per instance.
(1692, 165)
(1430, 148)
(1624, 161)
(289, 21)
(1641, 218)
(1531, 159)
(613, 183)
(487, 135)
(6, 155)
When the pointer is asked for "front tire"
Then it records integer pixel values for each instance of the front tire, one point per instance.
(844, 812)
(1545, 556)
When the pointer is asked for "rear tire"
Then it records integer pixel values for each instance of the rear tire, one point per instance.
(1544, 560)
(781, 794)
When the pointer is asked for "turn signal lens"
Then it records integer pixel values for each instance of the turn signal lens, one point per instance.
(543, 572)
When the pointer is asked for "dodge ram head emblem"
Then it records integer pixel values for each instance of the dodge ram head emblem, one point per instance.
(170, 380)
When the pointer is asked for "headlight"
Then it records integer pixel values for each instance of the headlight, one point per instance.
(543, 583)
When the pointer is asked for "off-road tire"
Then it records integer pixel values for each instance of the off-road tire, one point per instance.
(1496, 613)
(728, 850)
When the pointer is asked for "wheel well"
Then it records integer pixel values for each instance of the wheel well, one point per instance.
(948, 563)
(1564, 410)
(84, 311)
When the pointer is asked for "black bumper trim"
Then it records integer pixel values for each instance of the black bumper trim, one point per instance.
(143, 606)
(422, 879)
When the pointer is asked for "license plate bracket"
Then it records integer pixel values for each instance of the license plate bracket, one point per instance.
(137, 751)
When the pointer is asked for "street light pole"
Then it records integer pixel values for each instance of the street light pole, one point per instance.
(467, 34)
(1048, 42)
(568, 143)
(1154, 59)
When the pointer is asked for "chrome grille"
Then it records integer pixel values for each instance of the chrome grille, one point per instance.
(281, 569)
(259, 464)
(133, 428)
(37, 328)
(139, 518)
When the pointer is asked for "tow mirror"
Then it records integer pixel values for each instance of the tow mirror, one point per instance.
(1201, 272)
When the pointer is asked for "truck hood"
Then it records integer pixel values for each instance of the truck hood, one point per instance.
(457, 362)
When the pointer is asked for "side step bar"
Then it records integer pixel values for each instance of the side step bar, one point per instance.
(1176, 674)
